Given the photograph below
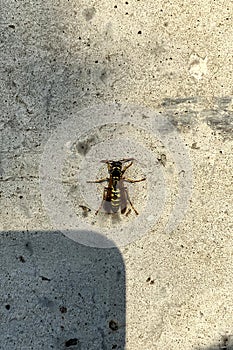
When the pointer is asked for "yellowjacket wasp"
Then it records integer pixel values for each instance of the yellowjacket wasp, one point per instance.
(115, 195)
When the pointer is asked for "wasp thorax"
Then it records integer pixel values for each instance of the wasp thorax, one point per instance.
(115, 168)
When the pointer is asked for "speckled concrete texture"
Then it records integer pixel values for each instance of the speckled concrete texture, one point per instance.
(162, 291)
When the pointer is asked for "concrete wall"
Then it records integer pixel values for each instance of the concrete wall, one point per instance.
(163, 290)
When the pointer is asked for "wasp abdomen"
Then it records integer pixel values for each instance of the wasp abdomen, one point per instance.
(115, 199)
(116, 193)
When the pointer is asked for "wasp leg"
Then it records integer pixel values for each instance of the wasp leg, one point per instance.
(98, 181)
(132, 180)
(127, 194)
(126, 167)
(103, 200)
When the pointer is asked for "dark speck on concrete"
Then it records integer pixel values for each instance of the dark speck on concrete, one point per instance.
(113, 325)
(22, 259)
(71, 342)
(84, 146)
(63, 309)
(28, 246)
(45, 278)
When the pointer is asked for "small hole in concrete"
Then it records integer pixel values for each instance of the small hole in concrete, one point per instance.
(113, 325)
(71, 342)
(63, 309)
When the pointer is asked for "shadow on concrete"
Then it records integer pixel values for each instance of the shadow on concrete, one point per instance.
(217, 347)
(58, 294)
(225, 343)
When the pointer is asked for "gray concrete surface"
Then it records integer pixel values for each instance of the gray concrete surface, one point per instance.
(161, 291)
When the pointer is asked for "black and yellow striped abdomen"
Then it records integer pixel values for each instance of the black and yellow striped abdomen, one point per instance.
(115, 195)
(115, 200)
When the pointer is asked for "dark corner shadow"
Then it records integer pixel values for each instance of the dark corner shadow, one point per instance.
(225, 343)
(58, 294)
(217, 347)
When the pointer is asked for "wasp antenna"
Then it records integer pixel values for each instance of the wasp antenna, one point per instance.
(127, 160)
(121, 160)
(105, 161)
